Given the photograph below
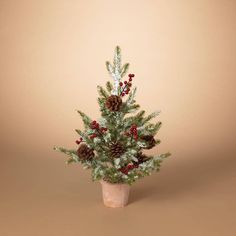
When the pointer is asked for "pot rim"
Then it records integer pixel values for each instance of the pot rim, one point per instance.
(106, 182)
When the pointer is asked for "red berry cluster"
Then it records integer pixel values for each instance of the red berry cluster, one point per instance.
(79, 141)
(99, 130)
(125, 170)
(94, 125)
(133, 132)
(125, 88)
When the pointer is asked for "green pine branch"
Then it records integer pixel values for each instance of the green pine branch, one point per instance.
(110, 68)
(109, 86)
(124, 69)
(117, 60)
(87, 121)
(102, 92)
(151, 116)
(69, 152)
(117, 71)
(130, 99)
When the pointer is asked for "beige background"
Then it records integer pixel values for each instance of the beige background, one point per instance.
(52, 57)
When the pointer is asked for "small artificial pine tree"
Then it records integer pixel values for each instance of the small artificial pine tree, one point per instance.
(112, 147)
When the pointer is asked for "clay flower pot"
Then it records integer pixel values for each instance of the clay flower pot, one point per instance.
(115, 195)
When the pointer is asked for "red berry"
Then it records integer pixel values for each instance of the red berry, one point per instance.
(121, 83)
(123, 94)
(126, 91)
(134, 126)
(125, 82)
(129, 84)
(94, 122)
(124, 170)
(93, 136)
(130, 166)
(130, 79)
(92, 126)
(81, 139)
(132, 75)
(77, 142)
(103, 129)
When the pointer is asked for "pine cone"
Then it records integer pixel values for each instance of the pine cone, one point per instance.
(141, 157)
(116, 150)
(150, 141)
(85, 153)
(113, 103)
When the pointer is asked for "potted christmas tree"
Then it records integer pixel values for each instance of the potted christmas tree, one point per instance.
(112, 146)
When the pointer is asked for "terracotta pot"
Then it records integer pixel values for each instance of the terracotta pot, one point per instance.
(115, 195)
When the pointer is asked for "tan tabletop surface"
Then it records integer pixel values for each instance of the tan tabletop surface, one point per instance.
(190, 196)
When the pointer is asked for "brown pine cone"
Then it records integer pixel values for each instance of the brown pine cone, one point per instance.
(150, 141)
(85, 153)
(113, 103)
(116, 150)
(141, 157)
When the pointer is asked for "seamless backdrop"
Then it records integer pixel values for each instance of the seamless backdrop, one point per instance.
(52, 58)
